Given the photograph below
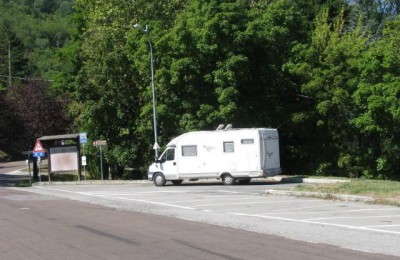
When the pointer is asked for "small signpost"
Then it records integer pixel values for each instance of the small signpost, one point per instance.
(84, 160)
(100, 143)
(38, 151)
(82, 138)
(83, 141)
(28, 162)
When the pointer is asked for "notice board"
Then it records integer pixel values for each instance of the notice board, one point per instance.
(64, 158)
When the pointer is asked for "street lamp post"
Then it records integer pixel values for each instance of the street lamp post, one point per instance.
(146, 30)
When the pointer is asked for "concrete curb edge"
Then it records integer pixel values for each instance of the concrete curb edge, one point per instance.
(321, 195)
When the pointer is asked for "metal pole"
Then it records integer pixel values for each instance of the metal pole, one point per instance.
(29, 167)
(39, 164)
(101, 163)
(146, 30)
(84, 169)
(9, 62)
(154, 99)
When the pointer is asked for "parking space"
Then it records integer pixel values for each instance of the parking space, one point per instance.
(365, 227)
(313, 211)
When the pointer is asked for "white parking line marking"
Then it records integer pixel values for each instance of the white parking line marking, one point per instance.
(288, 211)
(318, 223)
(359, 210)
(136, 193)
(203, 199)
(245, 203)
(308, 221)
(356, 217)
(145, 201)
(121, 198)
(237, 192)
(382, 226)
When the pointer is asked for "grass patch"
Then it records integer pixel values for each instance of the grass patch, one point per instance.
(3, 155)
(59, 177)
(383, 192)
(24, 183)
(325, 177)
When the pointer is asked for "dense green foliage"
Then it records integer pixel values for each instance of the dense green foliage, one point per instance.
(32, 34)
(325, 73)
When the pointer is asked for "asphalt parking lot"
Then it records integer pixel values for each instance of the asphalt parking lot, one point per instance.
(353, 225)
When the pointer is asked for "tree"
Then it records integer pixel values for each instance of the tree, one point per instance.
(330, 78)
(377, 98)
(12, 60)
(36, 112)
(11, 127)
(114, 74)
(222, 63)
(374, 15)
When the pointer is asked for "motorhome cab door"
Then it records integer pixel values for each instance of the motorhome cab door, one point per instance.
(168, 164)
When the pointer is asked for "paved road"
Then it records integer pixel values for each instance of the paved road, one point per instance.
(245, 209)
(7, 167)
(39, 226)
(364, 227)
(10, 174)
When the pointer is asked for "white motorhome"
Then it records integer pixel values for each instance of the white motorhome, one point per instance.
(227, 154)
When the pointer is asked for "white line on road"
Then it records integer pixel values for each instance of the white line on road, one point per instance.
(382, 226)
(212, 198)
(317, 223)
(363, 217)
(144, 201)
(289, 211)
(237, 192)
(244, 203)
(308, 221)
(136, 193)
(121, 198)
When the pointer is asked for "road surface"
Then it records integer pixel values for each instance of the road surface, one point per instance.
(35, 226)
(206, 221)
(10, 175)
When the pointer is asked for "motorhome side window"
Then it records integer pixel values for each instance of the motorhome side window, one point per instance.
(229, 147)
(247, 141)
(189, 150)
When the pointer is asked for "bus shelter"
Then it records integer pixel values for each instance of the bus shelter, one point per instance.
(63, 153)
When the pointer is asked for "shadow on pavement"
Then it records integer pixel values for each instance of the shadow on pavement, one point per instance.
(9, 180)
(219, 183)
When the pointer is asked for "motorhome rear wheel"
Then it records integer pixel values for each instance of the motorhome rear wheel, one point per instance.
(227, 179)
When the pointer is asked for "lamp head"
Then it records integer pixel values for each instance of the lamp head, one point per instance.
(139, 27)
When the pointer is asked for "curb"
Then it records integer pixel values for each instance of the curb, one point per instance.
(321, 195)
(307, 180)
(120, 182)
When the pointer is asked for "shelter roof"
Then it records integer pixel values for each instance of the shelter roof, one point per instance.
(59, 137)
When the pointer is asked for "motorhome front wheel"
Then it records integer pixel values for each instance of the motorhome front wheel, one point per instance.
(159, 179)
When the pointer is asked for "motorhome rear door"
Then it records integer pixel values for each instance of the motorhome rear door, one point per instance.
(270, 149)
